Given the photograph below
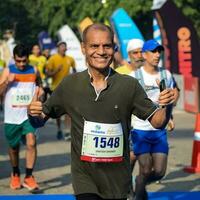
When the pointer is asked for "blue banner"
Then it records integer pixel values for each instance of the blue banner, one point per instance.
(45, 41)
(156, 31)
(125, 29)
(158, 37)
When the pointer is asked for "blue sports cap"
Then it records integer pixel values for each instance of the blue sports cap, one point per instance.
(151, 45)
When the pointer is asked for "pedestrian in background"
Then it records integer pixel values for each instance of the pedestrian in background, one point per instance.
(57, 68)
(150, 143)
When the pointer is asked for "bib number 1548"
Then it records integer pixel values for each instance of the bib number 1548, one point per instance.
(104, 142)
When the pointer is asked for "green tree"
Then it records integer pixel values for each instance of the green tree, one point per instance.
(191, 8)
(29, 17)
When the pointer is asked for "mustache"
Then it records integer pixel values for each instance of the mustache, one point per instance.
(139, 60)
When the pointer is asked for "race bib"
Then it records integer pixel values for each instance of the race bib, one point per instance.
(21, 97)
(102, 142)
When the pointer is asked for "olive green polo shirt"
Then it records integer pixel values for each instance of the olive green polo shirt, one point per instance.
(122, 97)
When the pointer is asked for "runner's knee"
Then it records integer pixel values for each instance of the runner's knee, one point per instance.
(159, 174)
(30, 142)
(145, 171)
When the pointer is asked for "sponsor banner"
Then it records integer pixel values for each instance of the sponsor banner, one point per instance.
(45, 41)
(179, 39)
(125, 29)
(156, 31)
(157, 36)
(73, 46)
(191, 94)
(180, 82)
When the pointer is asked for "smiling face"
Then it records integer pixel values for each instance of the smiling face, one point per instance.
(98, 48)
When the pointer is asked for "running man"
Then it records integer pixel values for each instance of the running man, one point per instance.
(100, 102)
(58, 67)
(18, 81)
(150, 143)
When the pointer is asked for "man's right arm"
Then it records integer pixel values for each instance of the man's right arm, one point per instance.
(54, 107)
(4, 80)
(36, 116)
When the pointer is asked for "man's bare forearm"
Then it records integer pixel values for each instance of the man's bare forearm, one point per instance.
(3, 87)
(161, 117)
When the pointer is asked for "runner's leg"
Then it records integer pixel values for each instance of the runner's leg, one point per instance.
(159, 167)
(31, 151)
(14, 159)
(145, 166)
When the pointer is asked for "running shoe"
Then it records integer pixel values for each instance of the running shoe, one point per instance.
(59, 135)
(67, 136)
(30, 183)
(15, 182)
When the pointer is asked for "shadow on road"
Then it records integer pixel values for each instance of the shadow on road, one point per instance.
(179, 181)
(57, 182)
(43, 162)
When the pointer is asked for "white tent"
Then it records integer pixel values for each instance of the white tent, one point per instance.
(73, 46)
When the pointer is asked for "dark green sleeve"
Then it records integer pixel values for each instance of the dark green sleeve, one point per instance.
(54, 107)
(143, 107)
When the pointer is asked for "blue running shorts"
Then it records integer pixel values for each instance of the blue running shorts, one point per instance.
(154, 141)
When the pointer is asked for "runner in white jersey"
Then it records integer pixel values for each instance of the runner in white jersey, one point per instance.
(148, 81)
(150, 144)
(18, 81)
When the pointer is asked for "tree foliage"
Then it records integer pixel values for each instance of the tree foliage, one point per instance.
(29, 17)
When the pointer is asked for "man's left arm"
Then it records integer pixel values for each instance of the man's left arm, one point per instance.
(161, 117)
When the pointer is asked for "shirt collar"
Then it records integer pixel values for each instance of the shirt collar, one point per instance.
(91, 78)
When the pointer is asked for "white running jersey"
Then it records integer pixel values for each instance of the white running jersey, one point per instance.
(153, 92)
(19, 95)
